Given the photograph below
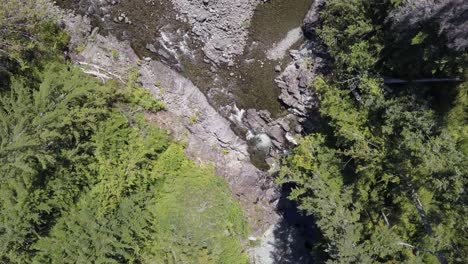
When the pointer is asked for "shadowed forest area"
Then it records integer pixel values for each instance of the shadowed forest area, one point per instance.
(385, 174)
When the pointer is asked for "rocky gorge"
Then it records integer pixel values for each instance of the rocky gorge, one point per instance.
(239, 103)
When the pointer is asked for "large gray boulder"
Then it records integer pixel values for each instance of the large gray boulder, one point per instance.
(449, 15)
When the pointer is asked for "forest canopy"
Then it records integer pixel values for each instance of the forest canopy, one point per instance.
(385, 174)
(85, 178)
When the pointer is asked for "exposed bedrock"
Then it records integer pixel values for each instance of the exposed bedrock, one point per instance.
(450, 16)
(297, 94)
(221, 25)
(312, 19)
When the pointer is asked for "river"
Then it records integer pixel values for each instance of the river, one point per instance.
(249, 83)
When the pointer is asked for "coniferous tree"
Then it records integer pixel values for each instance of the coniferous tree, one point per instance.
(385, 177)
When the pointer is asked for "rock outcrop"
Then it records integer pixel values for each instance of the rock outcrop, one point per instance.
(296, 82)
(312, 19)
(221, 25)
(449, 15)
(297, 94)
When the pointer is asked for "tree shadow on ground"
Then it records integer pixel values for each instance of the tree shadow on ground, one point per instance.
(294, 234)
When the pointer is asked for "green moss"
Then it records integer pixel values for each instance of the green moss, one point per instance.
(245, 24)
(419, 38)
(255, 243)
(141, 97)
(195, 216)
(225, 151)
(138, 96)
(114, 54)
(80, 48)
(194, 118)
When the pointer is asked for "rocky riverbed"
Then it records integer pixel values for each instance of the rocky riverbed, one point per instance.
(237, 91)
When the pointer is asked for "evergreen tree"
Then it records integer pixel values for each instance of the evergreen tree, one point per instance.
(85, 178)
(385, 177)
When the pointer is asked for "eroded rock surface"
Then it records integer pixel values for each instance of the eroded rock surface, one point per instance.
(296, 82)
(211, 140)
(221, 25)
(449, 15)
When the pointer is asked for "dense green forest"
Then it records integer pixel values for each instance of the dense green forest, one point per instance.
(84, 178)
(385, 175)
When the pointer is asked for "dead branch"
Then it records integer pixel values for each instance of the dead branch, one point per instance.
(100, 75)
(385, 218)
(98, 72)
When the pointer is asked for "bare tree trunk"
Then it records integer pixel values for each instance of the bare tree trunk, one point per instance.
(385, 218)
(356, 95)
(426, 223)
(426, 80)
(421, 212)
